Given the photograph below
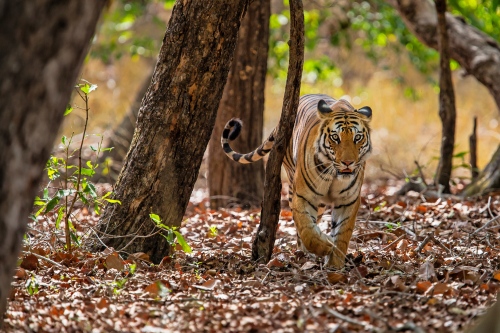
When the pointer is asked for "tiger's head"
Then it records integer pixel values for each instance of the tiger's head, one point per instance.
(344, 137)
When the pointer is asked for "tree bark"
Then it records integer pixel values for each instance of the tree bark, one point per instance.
(488, 179)
(475, 51)
(243, 96)
(263, 244)
(447, 111)
(42, 46)
(174, 125)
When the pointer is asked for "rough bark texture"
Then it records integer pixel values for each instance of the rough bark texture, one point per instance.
(42, 46)
(447, 111)
(121, 137)
(263, 243)
(475, 51)
(174, 125)
(243, 97)
(488, 179)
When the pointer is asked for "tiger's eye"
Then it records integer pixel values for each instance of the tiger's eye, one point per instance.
(358, 137)
(335, 137)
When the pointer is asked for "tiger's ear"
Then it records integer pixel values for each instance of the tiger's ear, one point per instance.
(324, 109)
(366, 111)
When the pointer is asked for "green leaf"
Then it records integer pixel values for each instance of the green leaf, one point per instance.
(45, 193)
(155, 218)
(51, 204)
(185, 246)
(75, 238)
(92, 148)
(87, 172)
(113, 201)
(63, 140)
(59, 216)
(68, 110)
(461, 154)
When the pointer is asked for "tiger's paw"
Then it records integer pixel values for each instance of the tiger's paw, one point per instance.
(335, 260)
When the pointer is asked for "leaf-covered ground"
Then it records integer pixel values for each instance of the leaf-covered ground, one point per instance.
(416, 265)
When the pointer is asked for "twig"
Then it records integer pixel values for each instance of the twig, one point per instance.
(393, 244)
(47, 260)
(487, 224)
(421, 173)
(426, 240)
(430, 237)
(349, 320)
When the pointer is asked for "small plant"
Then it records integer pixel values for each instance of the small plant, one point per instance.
(73, 184)
(213, 231)
(171, 234)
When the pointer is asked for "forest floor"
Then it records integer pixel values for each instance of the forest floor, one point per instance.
(416, 265)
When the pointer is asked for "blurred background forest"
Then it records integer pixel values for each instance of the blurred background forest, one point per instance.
(357, 50)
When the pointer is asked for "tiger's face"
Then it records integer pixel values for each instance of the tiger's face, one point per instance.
(344, 136)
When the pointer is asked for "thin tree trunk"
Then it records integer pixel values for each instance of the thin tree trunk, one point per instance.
(476, 52)
(243, 97)
(447, 111)
(263, 244)
(42, 47)
(175, 122)
(473, 150)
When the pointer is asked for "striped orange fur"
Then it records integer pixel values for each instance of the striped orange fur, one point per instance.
(325, 164)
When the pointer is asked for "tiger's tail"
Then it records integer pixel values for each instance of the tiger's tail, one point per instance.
(231, 132)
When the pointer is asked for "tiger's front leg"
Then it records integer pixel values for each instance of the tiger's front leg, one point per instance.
(305, 213)
(343, 221)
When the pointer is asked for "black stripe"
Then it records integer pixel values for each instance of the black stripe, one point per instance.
(227, 148)
(336, 224)
(225, 133)
(249, 156)
(351, 184)
(237, 157)
(346, 205)
(310, 204)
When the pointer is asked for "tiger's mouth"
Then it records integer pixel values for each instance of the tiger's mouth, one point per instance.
(346, 171)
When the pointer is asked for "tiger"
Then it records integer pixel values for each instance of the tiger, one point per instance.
(325, 163)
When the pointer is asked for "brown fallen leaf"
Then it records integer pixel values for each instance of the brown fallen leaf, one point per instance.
(139, 256)
(423, 286)
(208, 285)
(307, 265)
(21, 273)
(496, 275)
(441, 288)
(103, 303)
(113, 261)
(30, 262)
(334, 278)
(158, 288)
(275, 263)
(427, 272)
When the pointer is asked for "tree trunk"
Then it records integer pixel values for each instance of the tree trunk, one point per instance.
(488, 180)
(447, 111)
(243, 97)
(42, 46)
(121, 137)
(263, 244)
(174, 125)
(475, 51)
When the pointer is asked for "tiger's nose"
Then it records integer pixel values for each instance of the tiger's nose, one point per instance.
(347, 163)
